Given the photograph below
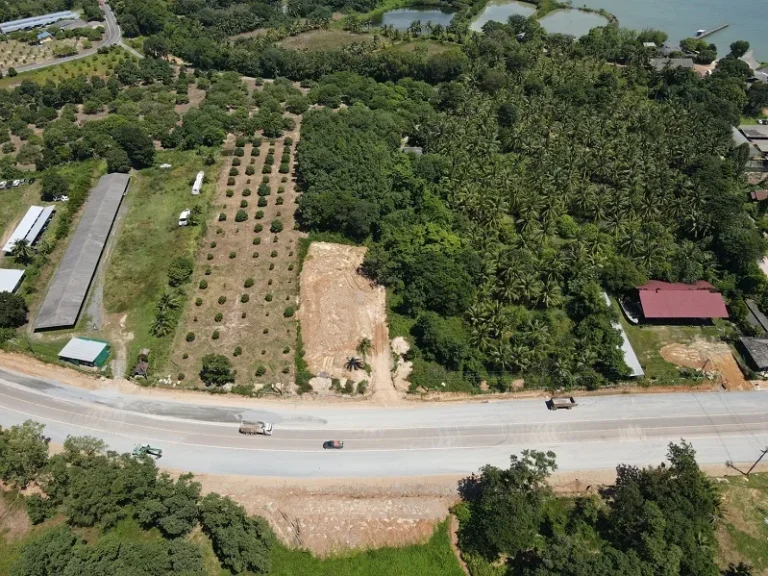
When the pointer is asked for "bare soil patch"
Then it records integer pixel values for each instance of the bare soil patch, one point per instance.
(329, 516)
(196, 96)
(323, 40)
(340, 307)
(14, 522)
(712, 358)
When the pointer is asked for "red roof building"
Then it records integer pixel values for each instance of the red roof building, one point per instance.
(666, 300)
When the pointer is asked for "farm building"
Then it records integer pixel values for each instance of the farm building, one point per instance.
(630, 358)
(755, 317)
(755, 352)
(662, 301)
(10, 280)
(44, 37)
(198, 183)
(85, 352)
(36, 21)
(30, 227)
(69, 287)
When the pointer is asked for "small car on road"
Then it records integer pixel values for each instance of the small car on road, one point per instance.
(333, 444)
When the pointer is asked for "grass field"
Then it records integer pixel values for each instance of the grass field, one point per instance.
(433, 558)
(743, 530)
(150, 238)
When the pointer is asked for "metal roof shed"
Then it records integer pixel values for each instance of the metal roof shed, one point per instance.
(85, 352)
(69, 287)
(10, 279)
(630, 358)
(24, 227)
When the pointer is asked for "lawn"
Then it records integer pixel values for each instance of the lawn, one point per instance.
(433, 558)
(150, 238)
(743, 531)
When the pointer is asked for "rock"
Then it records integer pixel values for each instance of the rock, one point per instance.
(320, 384)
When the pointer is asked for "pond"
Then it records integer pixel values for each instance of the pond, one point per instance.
(500, 11)
(572, 22)
(402, 18)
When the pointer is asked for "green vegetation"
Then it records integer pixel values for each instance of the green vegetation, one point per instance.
(497, 242)
(652, 521)
(742, 532)
(138, 271)
(433, 558)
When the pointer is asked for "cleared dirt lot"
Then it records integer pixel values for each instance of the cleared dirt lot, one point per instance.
(335, 515)
(340, 307)
(714, 358)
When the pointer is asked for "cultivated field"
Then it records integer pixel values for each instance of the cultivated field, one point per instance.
(245, 286)
(96, 65)
(14, 53)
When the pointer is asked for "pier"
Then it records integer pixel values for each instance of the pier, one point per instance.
(712, 31)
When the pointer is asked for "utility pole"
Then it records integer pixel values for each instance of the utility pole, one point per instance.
(759, 458)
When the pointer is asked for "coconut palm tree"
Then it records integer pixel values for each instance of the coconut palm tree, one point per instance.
(364, 348)
(22, 252)
(163, 324)
(354, 363)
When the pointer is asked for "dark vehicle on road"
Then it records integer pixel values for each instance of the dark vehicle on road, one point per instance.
(146, 449)
(562, 403)
(333, 444)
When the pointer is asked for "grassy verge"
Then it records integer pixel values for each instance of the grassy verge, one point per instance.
(743, 533)
(433, 558)
(149, 240)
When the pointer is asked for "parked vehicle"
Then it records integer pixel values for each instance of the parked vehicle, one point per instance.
(15, 183)
(61, 198)
(333, 444)
(264, 428)
(561, 403)
(146, 449)
(184, 217)
(3, 185)
(763, 122)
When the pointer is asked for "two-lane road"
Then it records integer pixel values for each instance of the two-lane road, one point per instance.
(414, 440)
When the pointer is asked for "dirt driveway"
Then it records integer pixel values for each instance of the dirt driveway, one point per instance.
(340, 307)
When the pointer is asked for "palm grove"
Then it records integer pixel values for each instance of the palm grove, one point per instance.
(553, 170)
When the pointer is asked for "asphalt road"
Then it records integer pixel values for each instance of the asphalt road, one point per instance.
(113, 36)
(421, 440)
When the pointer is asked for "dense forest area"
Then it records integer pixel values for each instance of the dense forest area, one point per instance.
(548, 177)
(16, 9)
(657, 520)
(91, 486)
